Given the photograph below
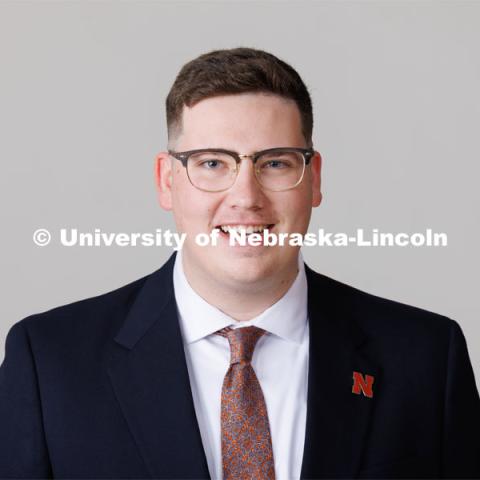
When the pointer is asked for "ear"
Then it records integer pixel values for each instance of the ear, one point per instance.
(316, 179)
(163, 178)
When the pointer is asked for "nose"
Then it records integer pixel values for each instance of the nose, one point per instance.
(246, 192)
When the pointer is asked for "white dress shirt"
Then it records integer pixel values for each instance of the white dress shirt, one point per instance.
(280, 361)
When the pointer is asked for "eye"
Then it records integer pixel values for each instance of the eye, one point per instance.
(276, 164)
(279, 161)
(210, 161)
(211, 164)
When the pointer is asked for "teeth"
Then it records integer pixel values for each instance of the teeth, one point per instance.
(243, 228)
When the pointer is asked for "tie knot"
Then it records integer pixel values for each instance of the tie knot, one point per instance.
(242, 342)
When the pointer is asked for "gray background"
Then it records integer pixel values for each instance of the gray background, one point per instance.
(396, 99)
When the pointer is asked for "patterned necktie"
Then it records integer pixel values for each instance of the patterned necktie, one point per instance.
(246, 443)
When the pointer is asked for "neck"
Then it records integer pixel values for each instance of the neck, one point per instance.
(242, 302)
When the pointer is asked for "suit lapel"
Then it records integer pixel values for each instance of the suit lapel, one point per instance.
(150, 379)
(337, 419)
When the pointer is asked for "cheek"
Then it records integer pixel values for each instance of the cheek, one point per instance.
(299, 199)
(193, 211)
(296, 210)
(184, 212)
(182, 199)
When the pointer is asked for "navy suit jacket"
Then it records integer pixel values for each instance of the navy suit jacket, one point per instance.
(100, 389)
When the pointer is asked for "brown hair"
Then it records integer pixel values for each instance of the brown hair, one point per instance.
(237, 70)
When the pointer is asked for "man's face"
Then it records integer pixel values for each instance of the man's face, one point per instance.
(245, 123)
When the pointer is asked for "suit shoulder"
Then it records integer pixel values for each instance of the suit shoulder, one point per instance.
(76, 318)
(378, 313)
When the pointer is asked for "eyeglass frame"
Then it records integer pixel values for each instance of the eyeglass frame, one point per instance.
(183, 157)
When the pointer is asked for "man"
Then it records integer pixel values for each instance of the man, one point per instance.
(238, 361)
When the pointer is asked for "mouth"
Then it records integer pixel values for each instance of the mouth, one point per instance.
(226, 230)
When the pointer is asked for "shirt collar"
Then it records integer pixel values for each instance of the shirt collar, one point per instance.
(287, 318)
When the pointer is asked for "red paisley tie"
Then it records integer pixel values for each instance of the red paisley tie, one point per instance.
(246, 443)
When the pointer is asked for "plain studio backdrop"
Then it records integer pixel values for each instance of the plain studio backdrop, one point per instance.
(395, 88)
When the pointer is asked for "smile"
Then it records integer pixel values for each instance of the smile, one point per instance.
(244, 229)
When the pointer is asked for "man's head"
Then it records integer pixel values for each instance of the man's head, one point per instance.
(244, 101)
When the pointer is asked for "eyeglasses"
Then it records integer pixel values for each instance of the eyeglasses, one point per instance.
(215, 169)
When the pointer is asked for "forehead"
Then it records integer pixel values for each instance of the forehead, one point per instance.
(245, 122)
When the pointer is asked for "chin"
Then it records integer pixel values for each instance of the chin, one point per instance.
(246, 283)
(248, 270)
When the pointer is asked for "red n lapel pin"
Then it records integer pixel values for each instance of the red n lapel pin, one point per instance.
(363, 384)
